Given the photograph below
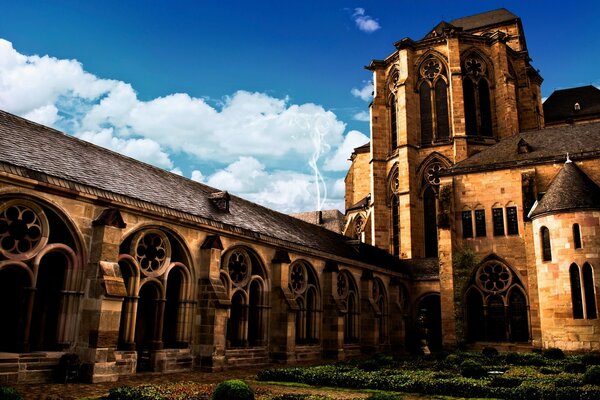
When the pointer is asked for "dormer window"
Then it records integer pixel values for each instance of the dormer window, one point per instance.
(220, 200)
(577, 107)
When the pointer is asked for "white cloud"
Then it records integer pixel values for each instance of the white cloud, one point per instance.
(365, 93)
(362, 116)
(257, 137)
(339, 160)
(177, 171)
(365, 22)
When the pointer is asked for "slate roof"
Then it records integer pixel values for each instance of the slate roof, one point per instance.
(484, 19)
(423, 268)
(44, 154)
(328, 219)
(546, 145)
(560, 106)
(364, 148)
(570, 190)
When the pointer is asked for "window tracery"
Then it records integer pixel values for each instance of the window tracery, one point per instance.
(476, 96)
(433, 100)
(239, 267)
(23, 230)
(152, 251)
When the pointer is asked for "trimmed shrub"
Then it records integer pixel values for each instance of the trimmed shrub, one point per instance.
(524, 359)
(472, 369)
(553, 353)
(575, 367)
(144, 392)
(234, 389)
(384, 396)
(489, 352)
(506, 381)
(453, 359)
(592, 375)
(591, 358)
(8, 393)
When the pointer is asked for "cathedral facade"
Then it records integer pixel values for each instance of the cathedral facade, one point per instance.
(461, 173)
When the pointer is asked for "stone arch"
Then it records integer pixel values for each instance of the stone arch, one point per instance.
(425, 177)
(304, 284)
(380, 298)
(348, 293)
(429, 316)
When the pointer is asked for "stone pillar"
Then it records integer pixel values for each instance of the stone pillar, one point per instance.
(333, 317)
(101, 314)
(369, 326)
(398, 316)
(282, 344)
(213, 306)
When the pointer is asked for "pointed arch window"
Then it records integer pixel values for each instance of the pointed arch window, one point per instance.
(496, 305)
(576, 301)
(304, 286)
(393, 122)
(394, 204)
(433, 100)
(588, 291)
(477, 97)
(348, 294)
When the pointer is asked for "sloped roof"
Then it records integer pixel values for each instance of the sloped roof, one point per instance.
(328, 219)
(362, 203)
(560, 106)
(439, 29)
(45, 154)
(484, 19)
(570, 190)
(364, 148)
(545, 145)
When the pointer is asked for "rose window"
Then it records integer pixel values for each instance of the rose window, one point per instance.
(298, 278)
(152, 252)
(342, 286)
(239, 268)
(494, 277)
(431, 69)
(432, 173)
(23, 229)
(474, 67)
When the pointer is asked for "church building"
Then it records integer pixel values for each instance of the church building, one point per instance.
(462, 173)
(468, 223)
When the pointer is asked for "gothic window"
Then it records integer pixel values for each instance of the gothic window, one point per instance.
(467, 224)
(576, 236)
(512, 222)
(496, 305)
(347, 293)
(588, 290)
(246, 325)
(498, 221)
(38, 309)
(477, 98)
(379, 299)
(546, 247)
(393, 123)
(154, 314)
(304, 286)
(576, 300)
(480, 230)
(395, 226)
(358, 227)
(433, 100)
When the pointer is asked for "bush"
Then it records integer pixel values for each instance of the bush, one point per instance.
(472, 369)
(8, 393)
(506, 381)
(489, 352)
(384, 396)
(144, 392)
(300, 397)
(575, 368)
(453, 359)
(553, 353)
(592, 375)
(524, 359)
(591, 359)
(233, 389)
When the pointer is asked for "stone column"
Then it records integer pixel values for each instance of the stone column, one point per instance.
(213, 305)
(282, 344)
(101, 314)
(333, 317)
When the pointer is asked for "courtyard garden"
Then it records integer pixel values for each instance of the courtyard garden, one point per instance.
(548, 375)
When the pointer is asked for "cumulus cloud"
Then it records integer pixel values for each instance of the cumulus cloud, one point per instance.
(362, 116)
(365, 93)
(364, 22)
(248, 144)
(339, 160)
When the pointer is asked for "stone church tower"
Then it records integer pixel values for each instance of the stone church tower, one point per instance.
(438, 100)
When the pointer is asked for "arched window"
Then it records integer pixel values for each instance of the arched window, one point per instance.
(347, 293)
(380, 300)
(430, 223)
(477, 98)
(546, 247)
(246, 283)
(576, 301)
(496, 305)
(39, 310)
(589, 292)
(576, 236)
(393, 123)
(395, 226)
(304, 285)
(433, 100)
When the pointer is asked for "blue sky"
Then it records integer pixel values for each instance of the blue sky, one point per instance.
(244, 96)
